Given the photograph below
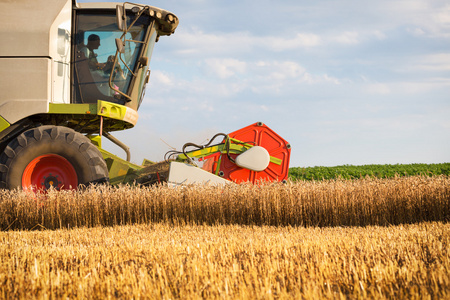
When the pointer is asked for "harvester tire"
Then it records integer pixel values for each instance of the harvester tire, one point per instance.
(51, 156)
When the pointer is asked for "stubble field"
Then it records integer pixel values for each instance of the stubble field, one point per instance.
(366, 238)
(163, 261)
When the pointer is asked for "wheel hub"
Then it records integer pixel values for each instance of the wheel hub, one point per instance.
(49, 170)
(51, 181)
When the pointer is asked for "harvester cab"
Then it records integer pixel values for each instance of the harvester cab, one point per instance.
(72, 73)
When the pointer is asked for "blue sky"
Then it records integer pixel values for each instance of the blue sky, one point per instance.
(345, 82)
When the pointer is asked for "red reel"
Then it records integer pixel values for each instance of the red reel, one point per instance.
(256, 134)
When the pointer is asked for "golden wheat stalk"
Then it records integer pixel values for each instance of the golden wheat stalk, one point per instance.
(338, 202)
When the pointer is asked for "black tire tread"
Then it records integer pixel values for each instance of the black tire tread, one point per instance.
(73, 141)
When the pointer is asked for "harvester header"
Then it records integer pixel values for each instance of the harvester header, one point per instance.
(253, 154)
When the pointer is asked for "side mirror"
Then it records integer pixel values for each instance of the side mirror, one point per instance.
(120, 46)
(143, 60)
(121, 18)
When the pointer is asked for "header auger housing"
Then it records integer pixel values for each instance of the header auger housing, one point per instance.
(72, 73)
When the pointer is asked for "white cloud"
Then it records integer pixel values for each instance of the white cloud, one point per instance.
(279, 70)
(443, 15)
(227, 77)
(348, 38)
(379, 34)
(196, 42)
(300, 40)
(424, 18)
(431, 62)
(421, 87)
(416, 31)
(316, 79)
(439, 23)
(378, 88)
(225, 68)
(160, 78)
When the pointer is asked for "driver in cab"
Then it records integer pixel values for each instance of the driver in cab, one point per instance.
(88, 50)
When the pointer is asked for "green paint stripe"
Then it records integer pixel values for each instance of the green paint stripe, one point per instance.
(101, 108)
(276, 161)
(234, 149)
(76, 109)
(218, 165)
(3, 124)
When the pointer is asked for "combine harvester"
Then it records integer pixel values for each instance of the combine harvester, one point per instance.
(72, 73)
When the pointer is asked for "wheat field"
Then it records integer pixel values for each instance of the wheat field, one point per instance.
(350, 239)
(163, 261)
(361, 202)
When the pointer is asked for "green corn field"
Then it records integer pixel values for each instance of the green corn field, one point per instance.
(376, 171)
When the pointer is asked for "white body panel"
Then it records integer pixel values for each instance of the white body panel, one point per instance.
(34, 56)
(28, 26)
(181, 174)
(25, 87)
(60, 34)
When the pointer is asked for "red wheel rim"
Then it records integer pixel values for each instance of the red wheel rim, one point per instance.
(49, 170)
